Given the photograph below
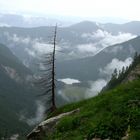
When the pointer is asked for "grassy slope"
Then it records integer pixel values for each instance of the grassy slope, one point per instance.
(108, 115)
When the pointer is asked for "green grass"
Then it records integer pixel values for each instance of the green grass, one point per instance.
(108, 115)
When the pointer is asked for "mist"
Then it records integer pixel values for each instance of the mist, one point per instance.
(95, 87)
(115, 63)
(39, 115)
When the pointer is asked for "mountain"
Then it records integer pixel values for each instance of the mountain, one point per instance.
(85, 26)
(90, 68)
(113, 114)
(80, 40)
(76, 41)
(17, 96)
(130, 27)
(81, 51)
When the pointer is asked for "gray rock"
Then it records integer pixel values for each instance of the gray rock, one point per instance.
(48, 126)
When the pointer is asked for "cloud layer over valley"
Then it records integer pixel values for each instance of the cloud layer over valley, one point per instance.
(74, 44)
(94, 42)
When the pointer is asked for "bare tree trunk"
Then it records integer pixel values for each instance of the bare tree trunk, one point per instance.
(53, 71)
(47, 79)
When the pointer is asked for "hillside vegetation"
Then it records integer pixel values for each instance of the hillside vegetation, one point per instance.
(113, 114)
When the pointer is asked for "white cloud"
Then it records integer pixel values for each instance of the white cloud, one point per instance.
(39, 116)
(106, 38)
(98, 41)
(103, 39)
(69, 81)
(95, 35)
(95, 88)
(115, 63)
(64, 96)
(72, 93)
(16, 39)
(84, 48)
(110, 39)
(34, 47)
(30, 52)
(42, 48)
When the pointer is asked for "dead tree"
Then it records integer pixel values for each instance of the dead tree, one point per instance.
(47, 78)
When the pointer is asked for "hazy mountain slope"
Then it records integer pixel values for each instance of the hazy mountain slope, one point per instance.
(130, 27)
(88, 68)
(16, 93)
(10, 60)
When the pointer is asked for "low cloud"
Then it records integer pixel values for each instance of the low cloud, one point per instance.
(71, 93)
(30, 52)
(16, 39)
(63, 95)
(42, 48)
(39, 116)
(107, 39)
(95, 35)
(115, 63)
(114, 50)
(97, 41)
(95, 88)
(102, 40)
(85, 48)
(110, 39)
(69, 81)
(34, 47)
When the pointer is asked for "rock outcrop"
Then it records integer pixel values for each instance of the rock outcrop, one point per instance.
(48, 126)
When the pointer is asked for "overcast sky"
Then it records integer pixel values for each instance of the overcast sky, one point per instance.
(127, 9)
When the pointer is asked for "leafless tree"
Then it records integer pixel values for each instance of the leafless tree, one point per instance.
(47, 78)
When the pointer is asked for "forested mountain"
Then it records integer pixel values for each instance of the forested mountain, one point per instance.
(16, 94)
